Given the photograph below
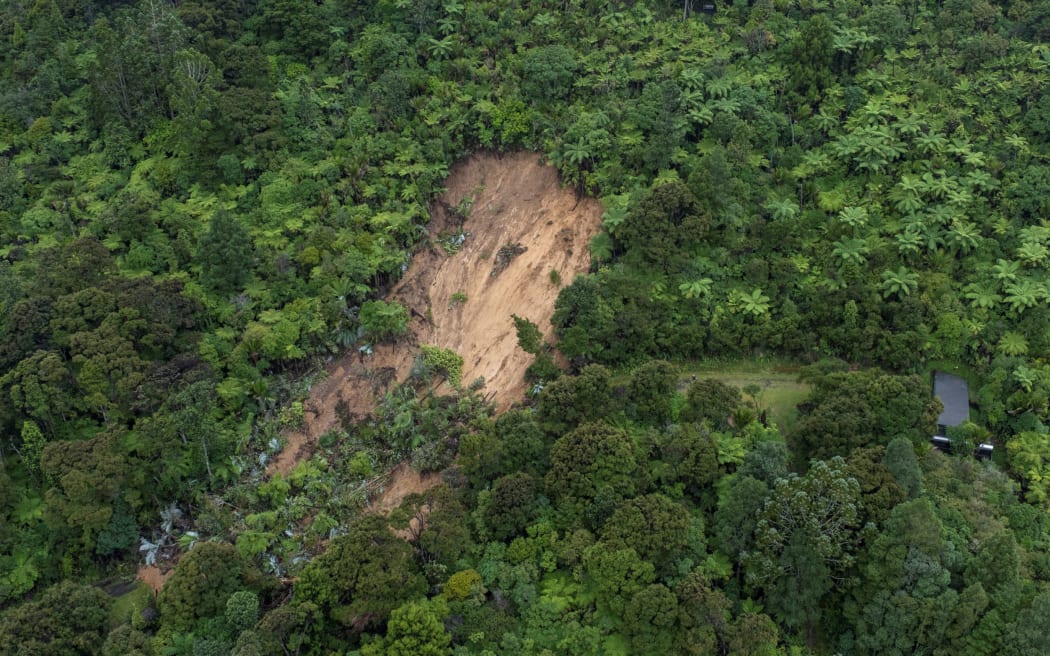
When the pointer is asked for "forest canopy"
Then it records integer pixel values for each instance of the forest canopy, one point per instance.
(200, 202)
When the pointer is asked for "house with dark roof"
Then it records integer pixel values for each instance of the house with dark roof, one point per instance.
(954, 394)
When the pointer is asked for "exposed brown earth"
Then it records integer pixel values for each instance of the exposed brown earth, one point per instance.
(521, 224)
(403, 481)
(153, 577)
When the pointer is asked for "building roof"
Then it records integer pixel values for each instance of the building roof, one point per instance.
(955, 395)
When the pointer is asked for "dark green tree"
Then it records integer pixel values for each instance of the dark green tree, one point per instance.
(225, 255)
(711, 400)
(76, 265)
(997, 568)
(515, 443)
(664, 227)
(193, 96)
(739, 505)
(584, 322)
(120, 534)
(879, 491)
(41, 387)
(904, 601)
(616, 575)
(87, 477)
(592, 469)
(382, 320)
(127, 641)
(687, 461)
(660, 112)
(414, 629)
(530, 339)
(901, 462)
(287, 627)
(796, 595)
(523, 444)
(512, 505)
(134, 66)
(1027, 637)
(572, 400)
(653, 525)
(362, 577)
(242, 610)
(649, 620)
(967, 613)
(768, 462)
(810, 56)
(301, 30)
(754, 634)
(547, 73)
(704, 614)
(804, 540)
(651, 392)
(67, 619)
(203, 583)
(863, 408)
(438, 521)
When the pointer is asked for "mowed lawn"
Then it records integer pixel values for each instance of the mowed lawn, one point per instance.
(778, 388)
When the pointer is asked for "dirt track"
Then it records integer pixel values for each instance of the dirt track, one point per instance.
(516, 201)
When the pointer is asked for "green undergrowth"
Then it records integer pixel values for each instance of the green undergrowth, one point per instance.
(130, 603)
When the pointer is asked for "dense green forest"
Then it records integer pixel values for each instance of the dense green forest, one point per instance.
(201, 201)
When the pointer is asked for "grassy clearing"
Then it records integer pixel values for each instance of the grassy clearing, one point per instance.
(778, 388)
(128, 603)
(963, 370)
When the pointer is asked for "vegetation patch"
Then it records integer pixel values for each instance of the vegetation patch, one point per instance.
(126, 606)
(445, 362)
(451, 242)
(457, 299)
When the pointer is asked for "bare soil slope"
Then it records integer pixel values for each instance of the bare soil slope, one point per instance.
(400, 483)
(154, 577)
(521, 225)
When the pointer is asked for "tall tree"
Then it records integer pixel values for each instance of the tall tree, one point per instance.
(664, 227)
(572, 400)
(863, 408)
(382, 320)
(651, 392)
(592, 469)
(900, 460)
(415, 629)
(67, 619)
(86, 476)
(653, 525)
(805, 540)
(810, 56)
(225, 254)
(362, 577)
(203, 582)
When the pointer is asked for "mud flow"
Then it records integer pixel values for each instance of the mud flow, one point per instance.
(503, 225)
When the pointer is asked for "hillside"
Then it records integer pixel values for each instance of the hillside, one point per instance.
(513, 202)
(258, 266)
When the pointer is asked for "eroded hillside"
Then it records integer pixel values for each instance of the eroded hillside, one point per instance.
(503, 225)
